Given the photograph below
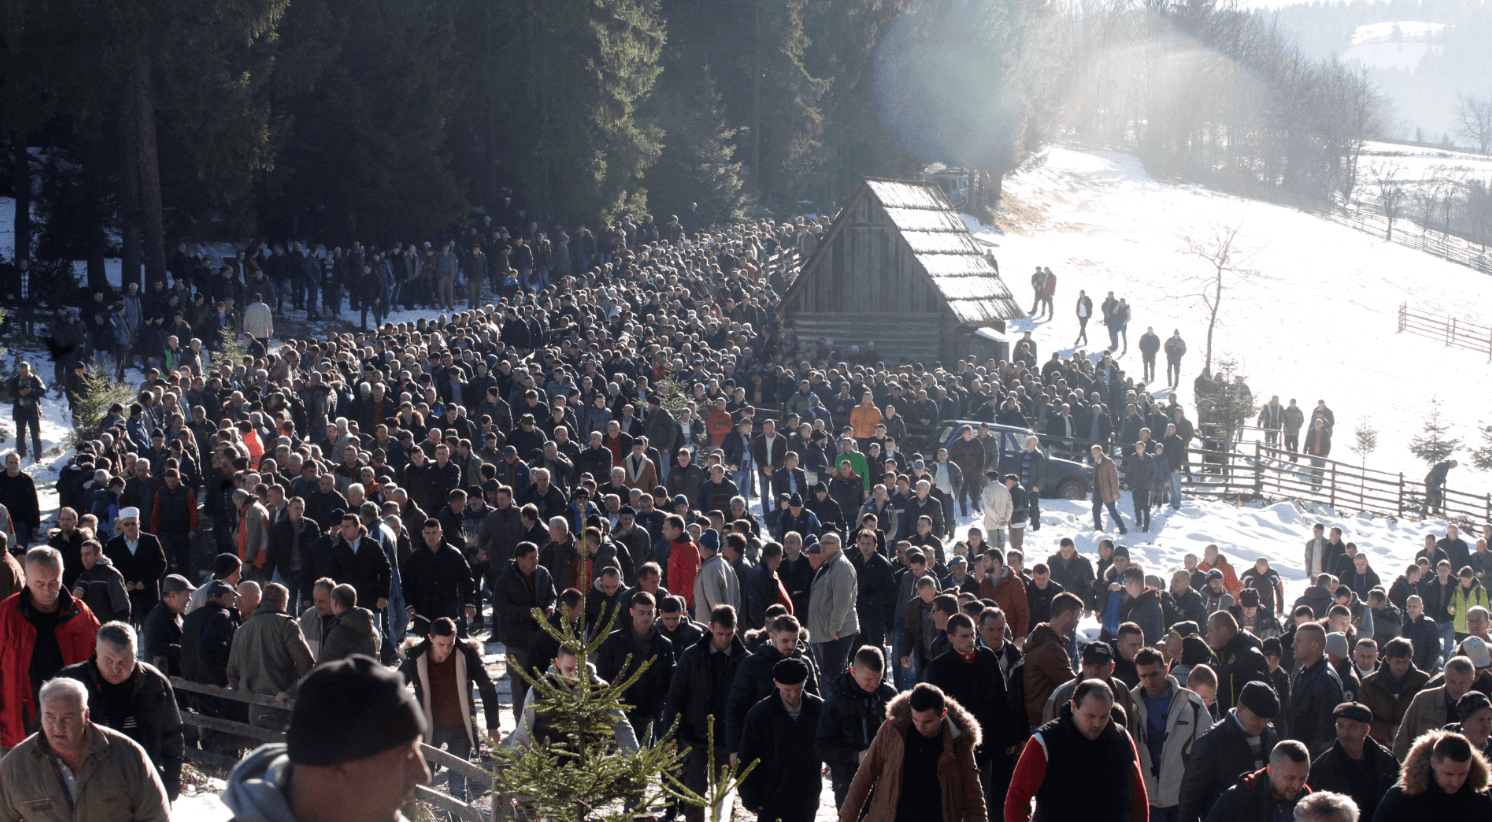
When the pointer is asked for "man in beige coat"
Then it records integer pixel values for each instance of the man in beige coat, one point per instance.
(112, 778)
(269, 656)
(1105, 489)
(1431, 708)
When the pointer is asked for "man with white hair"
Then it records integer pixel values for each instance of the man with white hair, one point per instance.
(76, 769)
(42, 630)
(141, 560)
(133, 698)
(1325, 806)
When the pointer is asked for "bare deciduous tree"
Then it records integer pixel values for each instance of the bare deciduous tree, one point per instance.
(1386, 179)
(1474, 120)
(1227, 266)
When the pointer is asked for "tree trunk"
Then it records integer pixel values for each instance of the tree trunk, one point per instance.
(143, 174)
(22, 182)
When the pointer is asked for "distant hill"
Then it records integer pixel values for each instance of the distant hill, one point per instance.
(1418, 54)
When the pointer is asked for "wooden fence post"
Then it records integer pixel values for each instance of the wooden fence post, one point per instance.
(1403, 308)
(1451, 332)
(1259, 471)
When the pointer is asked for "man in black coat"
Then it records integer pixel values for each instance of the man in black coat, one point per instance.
(141, 560)
(971, 675)
(436, 577)
(1269, 793)
(1239, 659)
(875, 603)
(697, 694)
(852, 716)
(359, 561)
(1239, 744)
(753, 679)
(637, 642)
(1355, 765)
(761, 586)
(206, 641)
(1315, 691)
(134, 699)
(523, 586)
(778, 735)
(162, 632)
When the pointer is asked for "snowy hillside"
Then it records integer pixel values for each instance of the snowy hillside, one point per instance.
(1316, 321)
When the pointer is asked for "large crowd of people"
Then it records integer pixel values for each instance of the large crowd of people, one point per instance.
(617, 425)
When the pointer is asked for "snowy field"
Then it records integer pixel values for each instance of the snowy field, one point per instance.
(1315, 320)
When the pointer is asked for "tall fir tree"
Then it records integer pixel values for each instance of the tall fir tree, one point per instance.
(365, 157)
(569, 119)
(699, 163)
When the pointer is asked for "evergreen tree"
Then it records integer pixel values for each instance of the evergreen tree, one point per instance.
(1365, 440)
(756, 53)
(568, 121)
(365, 158)
(576, 773)
(1481, 456)
(698, 163)
(1227, 405)
(1434, 442)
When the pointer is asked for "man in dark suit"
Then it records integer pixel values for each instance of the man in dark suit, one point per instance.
(140, 560)
(359, 561)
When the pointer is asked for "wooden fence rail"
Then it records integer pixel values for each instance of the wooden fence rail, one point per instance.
(1453, 331)
(434, 756)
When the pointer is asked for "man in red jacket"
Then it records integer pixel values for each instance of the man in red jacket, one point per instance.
(42, 630)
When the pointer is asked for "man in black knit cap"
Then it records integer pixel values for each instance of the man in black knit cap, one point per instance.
(352, 751)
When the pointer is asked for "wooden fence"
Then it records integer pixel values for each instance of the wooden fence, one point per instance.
(474, 774)
(1453, 331)
(1256, 470)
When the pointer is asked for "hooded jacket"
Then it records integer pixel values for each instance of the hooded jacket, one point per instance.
(1418, 797)
(258, 787)
(879, 775)
(103, 591)
(1186, 722)
(353, 632)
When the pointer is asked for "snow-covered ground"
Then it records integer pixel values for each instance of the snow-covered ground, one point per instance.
(1315, 320)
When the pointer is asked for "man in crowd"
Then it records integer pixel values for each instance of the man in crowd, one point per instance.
(697, 698)
(133, 698)
(1081, 764)
(444, 669)
(922, 757)
(832, 616)
(72, 763)
(523, 587)
(269, 656)
(778, 735)
(352, 750)
(1239, 744)
(140, 560)
(42, 630)
(1355, 765)
(1270, 793)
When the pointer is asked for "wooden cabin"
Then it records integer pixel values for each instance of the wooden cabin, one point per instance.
(899, 268)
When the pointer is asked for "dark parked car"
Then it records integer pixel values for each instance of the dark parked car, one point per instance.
(1065, 478)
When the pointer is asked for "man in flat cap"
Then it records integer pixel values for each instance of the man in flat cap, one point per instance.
(352, 751)
(1355, 764)
(778, 735)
